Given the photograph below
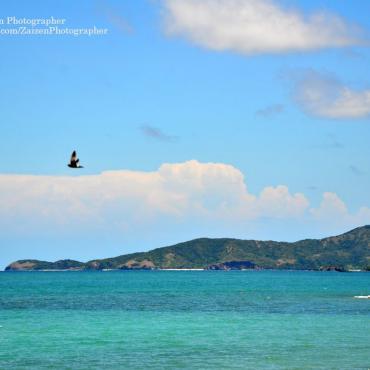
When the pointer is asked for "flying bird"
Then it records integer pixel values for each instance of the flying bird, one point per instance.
(74, 162)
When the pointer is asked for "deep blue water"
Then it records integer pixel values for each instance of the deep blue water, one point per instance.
(184, 320)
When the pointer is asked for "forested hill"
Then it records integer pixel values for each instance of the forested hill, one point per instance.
(343, 252)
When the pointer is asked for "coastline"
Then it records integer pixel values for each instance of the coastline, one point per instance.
(184, 269)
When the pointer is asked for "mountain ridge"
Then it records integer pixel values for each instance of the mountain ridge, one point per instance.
(350, 250)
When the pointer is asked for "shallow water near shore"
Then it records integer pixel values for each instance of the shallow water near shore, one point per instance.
(184, 319)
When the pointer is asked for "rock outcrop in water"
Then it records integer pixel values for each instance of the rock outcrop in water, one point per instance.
(233, 265)
(332, 268)
(345, 252)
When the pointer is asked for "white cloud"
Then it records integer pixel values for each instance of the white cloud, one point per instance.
(333, 210)
(279, 203)
(182, 190)
(331, 207)
(189, 193)
(324, 96)
(256, 26)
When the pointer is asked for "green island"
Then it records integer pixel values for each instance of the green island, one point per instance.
(345, 252)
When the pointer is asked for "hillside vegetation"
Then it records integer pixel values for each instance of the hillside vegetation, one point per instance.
(344, 252)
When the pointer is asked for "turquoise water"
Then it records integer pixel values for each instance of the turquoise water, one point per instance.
(184, 320)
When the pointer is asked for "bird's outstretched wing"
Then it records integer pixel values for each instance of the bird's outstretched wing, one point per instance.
(74, 161)
(73, 156)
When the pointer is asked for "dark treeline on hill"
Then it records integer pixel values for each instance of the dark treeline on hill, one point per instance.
(341, 253)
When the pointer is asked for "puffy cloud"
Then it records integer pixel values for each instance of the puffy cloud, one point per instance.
(333, 210)
(324, 96)
(126, 198)
(331, 207)
(256, 26)
(187, 194)
(279, 203)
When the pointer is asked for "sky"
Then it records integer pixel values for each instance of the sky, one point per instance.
(192, 118)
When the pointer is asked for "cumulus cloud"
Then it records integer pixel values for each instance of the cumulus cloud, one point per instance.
(256, 26)
(333, 210)
(278, 202)
(331, 207)
(189, 189)
(324, 96)
(185, 194)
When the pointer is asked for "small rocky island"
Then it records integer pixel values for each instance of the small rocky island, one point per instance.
(345, 252)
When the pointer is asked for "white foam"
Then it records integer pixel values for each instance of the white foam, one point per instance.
(362, 296)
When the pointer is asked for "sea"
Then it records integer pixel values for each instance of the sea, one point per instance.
(184, 320)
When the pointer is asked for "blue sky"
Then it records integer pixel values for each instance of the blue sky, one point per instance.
(164, 88)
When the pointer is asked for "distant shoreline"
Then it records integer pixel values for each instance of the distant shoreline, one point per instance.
(185, 269)
(347, 252)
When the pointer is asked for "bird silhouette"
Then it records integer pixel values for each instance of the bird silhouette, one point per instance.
(74, 161)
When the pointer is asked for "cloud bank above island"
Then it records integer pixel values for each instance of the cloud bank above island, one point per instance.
(179, 192)
(257, 26)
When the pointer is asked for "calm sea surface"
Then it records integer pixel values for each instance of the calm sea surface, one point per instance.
(184, 320)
